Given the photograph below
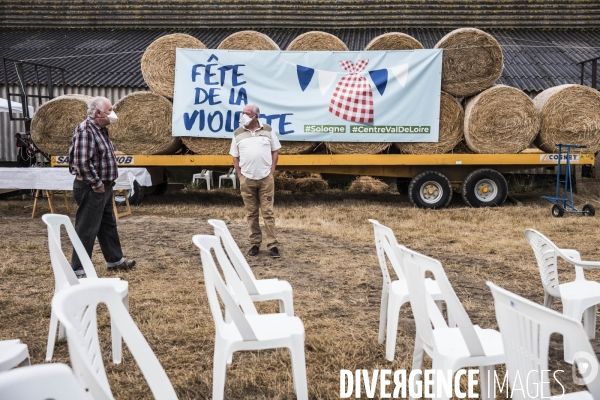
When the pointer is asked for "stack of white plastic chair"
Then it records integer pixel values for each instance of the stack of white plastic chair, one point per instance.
(526, 328)
(13, 353)
(206, 175)
(394, 293)
(245, 328)
(76, 309)
(41, 382)
(64, 277)
(579, 297)
(230, 175)
(450, 348)
(259, 290)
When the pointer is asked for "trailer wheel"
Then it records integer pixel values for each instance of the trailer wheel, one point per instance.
(136, 198)
(430, 189)
(557, 211)
(589, 210)
(484, 188)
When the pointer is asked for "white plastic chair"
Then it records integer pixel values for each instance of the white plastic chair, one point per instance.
(246, 330)
(64, 277)
(259, 290)
(76, 309)
(449, 348)
(41, 382)
(526, 328)
(230, 175)
(579, 297)
(205, 174)
(13, 353)
(394, 293)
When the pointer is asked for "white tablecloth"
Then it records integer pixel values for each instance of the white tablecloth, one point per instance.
(59, 178)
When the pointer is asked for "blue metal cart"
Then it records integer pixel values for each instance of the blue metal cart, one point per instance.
(564, 203)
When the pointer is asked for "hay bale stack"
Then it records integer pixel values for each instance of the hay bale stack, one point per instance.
(394, 41)
(317, 41)
(452, 118)
(462, 148)
(569, 114)
(144, 125)
(472, 61)
(248, 40)
(500, 119)
(53, 124)
(158, 61)
(368, 184)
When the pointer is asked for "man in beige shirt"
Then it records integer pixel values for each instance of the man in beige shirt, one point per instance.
(254, 149)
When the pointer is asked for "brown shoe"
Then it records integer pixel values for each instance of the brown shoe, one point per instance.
(274, 252)
(253, 251)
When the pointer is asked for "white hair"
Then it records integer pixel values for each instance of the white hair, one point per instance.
(97, 103)
(255, 109)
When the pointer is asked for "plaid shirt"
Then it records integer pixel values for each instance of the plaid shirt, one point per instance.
(92, 155)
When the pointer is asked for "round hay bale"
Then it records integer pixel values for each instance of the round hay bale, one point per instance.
(317, 41)
(311, 185)
(501, 119)
(368, 184)
(290, 147)
(55, 121)
(248, 40)
(472, 61)
(207, 146)
(144, 125)
(158, 61)
(569, 114)
(394, 41)
(356, 148)
(452, 118)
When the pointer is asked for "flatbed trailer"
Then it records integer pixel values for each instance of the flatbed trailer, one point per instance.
(430, 178)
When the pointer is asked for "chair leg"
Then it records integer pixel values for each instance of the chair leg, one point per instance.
(299, 367)
(117, 342)
(486, 377)
(383, 312)
(219, 371)
(394, 306)
(441, 366)
(589, 322)
(51, 336)
(548, 300)
(286, 303)
(418, 357)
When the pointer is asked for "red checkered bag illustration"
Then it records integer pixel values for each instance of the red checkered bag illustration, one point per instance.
(352, 98)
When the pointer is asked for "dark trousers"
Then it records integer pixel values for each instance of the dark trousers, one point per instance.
(96, 218)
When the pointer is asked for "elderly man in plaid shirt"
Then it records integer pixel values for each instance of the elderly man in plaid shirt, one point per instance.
(92, 160)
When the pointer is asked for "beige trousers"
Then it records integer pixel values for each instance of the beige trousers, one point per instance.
(258, 195)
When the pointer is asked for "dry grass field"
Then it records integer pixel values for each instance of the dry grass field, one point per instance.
(329, 259)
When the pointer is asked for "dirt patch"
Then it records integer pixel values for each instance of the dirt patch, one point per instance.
(328, 258)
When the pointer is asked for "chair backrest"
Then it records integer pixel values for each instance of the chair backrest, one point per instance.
(41, 382)
(416, 266)
(235, 255)
(526, 328)
(546, 255)
(231, 172)
(63, 273)
(385, 240)
(233, 294)
(75, 308)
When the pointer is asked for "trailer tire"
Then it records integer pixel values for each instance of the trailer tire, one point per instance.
(430, 189)
(557, 211)
(136, 198)
(484, 188)
(589, 210)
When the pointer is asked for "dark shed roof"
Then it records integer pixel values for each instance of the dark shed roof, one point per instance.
(394, 14)
(534, 59)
